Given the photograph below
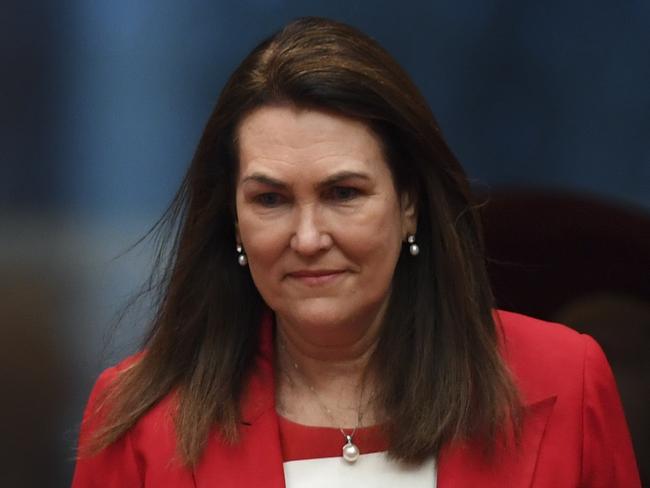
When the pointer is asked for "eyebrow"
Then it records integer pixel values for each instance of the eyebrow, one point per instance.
(329, 181)
(264, 179)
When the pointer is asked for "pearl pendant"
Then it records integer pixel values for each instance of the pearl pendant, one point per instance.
(350, 450)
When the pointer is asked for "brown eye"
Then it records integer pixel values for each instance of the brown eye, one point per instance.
(342, 193)
(269, 200)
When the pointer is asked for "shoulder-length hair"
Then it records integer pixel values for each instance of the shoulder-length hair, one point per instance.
(437, 360)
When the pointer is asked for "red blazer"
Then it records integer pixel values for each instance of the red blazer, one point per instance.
(574, 430)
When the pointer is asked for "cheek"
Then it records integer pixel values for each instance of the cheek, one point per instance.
(374, 240)
(262, 237)
(264, 246)
(263, 243)
(381, 224)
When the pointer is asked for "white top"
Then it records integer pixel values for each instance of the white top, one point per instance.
(370, 470)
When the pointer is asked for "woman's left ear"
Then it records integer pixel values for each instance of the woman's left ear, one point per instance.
(409, 214)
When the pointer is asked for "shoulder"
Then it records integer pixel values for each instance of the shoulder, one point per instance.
(146, 450)
(551, 361)
(103, 384)
(535, 336)
(546, 358)
(159, 413)
(95, 410)
(99, 400)
(91, 467)
(108, 376)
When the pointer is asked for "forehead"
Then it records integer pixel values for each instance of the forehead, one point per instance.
(291, 140)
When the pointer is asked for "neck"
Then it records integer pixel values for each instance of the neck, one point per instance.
(316, 370)
(326, 353)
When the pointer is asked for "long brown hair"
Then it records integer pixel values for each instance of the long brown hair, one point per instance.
(441, 375)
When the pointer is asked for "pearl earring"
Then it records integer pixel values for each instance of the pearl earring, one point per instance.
(241, 257)
(414, 249)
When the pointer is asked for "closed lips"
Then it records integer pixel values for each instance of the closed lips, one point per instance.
(316, 278)
(315, 273)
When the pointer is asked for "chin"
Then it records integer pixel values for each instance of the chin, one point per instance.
(316, 313)
(310, 312)
(331, 319)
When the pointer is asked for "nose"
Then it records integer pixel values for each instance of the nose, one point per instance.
(310, 235)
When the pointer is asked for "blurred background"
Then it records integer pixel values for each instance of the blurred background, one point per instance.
(102, 104)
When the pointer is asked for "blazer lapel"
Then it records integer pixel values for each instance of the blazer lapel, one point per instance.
(464, 465)
(256, 460)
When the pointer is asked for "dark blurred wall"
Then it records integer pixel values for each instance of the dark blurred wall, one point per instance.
(103, 104)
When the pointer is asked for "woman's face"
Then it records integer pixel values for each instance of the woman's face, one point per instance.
(319, 217)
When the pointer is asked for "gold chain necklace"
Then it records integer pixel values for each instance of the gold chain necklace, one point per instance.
(350, 450)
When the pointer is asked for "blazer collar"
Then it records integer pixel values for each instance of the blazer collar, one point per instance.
(257, 459)
(465, 465)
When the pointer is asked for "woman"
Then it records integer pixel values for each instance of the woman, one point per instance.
(325, 317)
